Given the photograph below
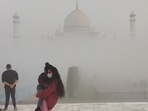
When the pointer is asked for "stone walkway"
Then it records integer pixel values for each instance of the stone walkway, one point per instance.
(89, 107)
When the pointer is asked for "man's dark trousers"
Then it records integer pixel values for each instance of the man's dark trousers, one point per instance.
(10, 91)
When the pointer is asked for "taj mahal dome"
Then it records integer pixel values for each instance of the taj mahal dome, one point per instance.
(76, 24)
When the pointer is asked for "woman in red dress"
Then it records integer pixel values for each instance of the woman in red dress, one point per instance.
(54, 88)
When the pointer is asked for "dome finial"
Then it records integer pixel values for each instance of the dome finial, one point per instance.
(76, 4)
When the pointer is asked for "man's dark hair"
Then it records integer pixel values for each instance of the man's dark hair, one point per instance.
(8, 66)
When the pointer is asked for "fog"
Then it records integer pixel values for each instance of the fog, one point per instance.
(111, 16)
(113, 62)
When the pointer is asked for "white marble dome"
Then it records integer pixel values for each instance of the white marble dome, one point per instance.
(77, 21)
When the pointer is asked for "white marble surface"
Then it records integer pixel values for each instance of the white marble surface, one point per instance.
(143, 106)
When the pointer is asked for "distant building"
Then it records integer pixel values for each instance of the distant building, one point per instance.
(132, 24)
(16, 26)
(76, 24)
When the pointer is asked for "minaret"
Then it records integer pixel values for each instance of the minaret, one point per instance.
(132, 24)
(16, 26)
(76, 4)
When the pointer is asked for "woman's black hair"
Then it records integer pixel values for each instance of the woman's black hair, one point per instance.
(60, 86)
(47, 67)
(55, 76)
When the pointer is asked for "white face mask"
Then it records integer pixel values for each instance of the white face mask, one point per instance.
(49, 75)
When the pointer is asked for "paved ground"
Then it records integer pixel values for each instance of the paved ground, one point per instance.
(89, 107)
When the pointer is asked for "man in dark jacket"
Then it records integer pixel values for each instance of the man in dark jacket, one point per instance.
(10, 79)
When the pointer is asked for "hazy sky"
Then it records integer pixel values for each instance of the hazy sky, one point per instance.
(44, 16)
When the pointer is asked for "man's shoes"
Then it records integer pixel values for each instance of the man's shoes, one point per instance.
(38, 109)
(15, 108)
